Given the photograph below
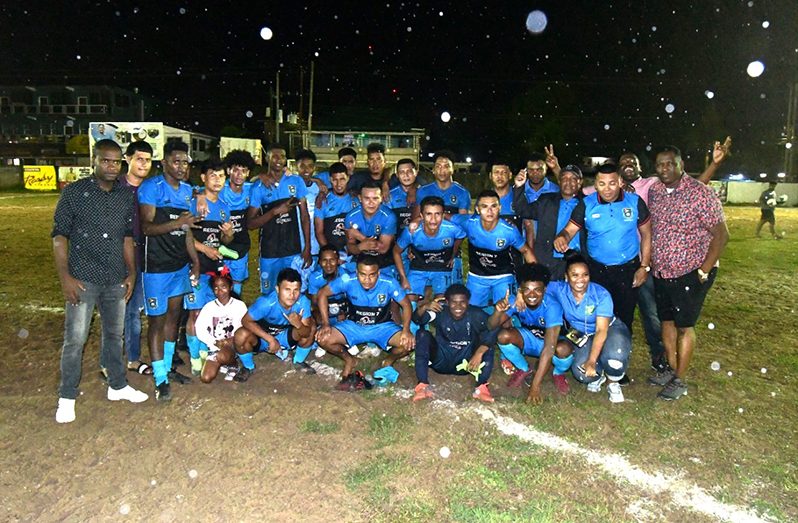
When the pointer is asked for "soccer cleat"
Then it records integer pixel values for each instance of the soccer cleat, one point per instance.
(482, 393)
(674, 390)
(423, 392)
(127, 393)
(561, 383)
(507, 366)
(180, 378)
(615, 392)
(243, 374)
(304, 367)
(518, 377)
(662, 378)
(347, 384)
(361, 382)
(66, 411)
(624, 381)
(595, 386)
(163, 392)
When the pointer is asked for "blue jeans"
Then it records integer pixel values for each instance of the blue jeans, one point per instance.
(110, 301)
(614, 357)
(133, 321)
(647, 305)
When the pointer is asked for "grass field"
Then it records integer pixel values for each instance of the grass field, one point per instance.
(285, 447)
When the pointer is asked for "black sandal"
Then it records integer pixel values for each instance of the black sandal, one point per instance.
(140, 367)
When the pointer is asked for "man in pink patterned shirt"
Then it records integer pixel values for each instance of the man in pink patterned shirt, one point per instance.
(688, 236)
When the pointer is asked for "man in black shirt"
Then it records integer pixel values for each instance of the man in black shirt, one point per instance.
(95, 260)
(461, 333)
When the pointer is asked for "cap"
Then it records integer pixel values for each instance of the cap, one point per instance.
(573, 169)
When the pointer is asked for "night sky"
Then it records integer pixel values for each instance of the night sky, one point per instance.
(602, 77)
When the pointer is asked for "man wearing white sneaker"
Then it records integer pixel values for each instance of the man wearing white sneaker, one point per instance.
(95, 260)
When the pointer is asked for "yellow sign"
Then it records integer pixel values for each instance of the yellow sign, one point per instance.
(39, 177)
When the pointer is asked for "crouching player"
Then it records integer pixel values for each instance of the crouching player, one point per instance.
(279, 322)
(526, 340)
(461, 333)
(596, 345)
(369, 319)
(216, 326)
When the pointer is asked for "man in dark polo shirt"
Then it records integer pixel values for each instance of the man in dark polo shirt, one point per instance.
(95, 260)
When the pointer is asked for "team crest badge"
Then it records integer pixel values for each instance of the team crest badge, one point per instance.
(223, 215)
(152, 303)
(292, 190)
(500, 242)
(247, 200)
(453, 198)
(447, 241)
(590, 308)
(378, 230)
(381, 298)
(191, 298)
(627, 212)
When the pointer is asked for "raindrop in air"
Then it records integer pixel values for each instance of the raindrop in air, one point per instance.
(536, 22)
(669, 108)
(709, 94)
(445, 116)
(715, 366)
(249, 114)
(266, 33)
(755, 69)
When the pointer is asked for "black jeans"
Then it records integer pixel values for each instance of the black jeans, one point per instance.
(617, 279)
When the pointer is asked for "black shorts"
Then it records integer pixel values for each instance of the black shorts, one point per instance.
(680, 299)
(768, 216)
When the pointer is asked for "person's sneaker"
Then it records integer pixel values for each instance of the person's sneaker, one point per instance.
(674, 390)
(615, 392)
(66, 411)
(163, 392)
(518, 377)
(127, 393)
(507, 366)
(423, 392)
(662, 378)
(304, 367)
(561, 383)
(595, 386)
(243, 374)
(361, 382)
(624, 381)
(179, 378)
(482, 393)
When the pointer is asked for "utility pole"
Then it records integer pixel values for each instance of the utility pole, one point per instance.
(310, 99)
(278, 114)
(789, 132)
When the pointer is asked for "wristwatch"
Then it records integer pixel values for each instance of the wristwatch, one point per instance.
(703, 276)
(646, 268)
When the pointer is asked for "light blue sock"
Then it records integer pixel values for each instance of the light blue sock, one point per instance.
(168, 353)
(562, 365)
(237, 288)
(159, 371)
(301, 354)
(513, 353)
(247, 361)
(193, 345)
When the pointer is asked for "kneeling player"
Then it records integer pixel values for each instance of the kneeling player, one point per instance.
(461, 333)
(279, 322)
(369, 319)
(526, 340)
(216, 326)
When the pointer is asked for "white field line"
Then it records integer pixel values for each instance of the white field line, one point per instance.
(44, 308)
(682, 492)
